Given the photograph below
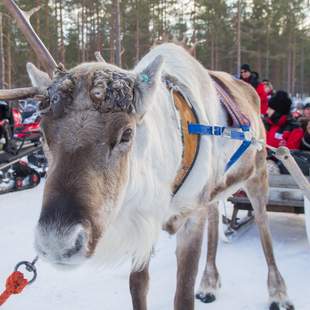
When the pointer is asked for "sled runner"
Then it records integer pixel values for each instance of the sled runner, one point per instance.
(286, 194)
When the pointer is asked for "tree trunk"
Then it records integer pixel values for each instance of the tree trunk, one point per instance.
(83, 32)
(259, 62)
(2, 69)
(112, 40)
(267, 62)
(293, 78)
(37, 29)
(8, 60)
(117, 27)
(98, 24)
(302, 69)
(62, 43)
(57, 27)
(239, 38)
(87, 31)
(212, 51)
(137, 32)
(289, 64)
(162, 26)
(216, 56)
(47, 26)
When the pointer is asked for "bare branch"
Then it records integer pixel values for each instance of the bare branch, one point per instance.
(22, 20)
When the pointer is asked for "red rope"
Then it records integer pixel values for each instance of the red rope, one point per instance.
(15, 284)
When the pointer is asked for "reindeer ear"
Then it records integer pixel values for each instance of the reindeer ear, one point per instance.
(146, 84)
(38, 78)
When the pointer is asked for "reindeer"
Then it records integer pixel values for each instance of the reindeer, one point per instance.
(114, 145)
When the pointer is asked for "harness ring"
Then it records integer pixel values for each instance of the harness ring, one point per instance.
(29, 267)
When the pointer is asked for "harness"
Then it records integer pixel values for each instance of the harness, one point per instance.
(190, 142)
(191, 129)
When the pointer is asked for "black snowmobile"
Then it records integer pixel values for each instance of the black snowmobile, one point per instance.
(22, 161)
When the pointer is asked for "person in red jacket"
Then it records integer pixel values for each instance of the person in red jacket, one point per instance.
(253, 78)
(269, 88)
(282, 128)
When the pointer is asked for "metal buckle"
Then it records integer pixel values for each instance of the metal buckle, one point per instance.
(30, 266)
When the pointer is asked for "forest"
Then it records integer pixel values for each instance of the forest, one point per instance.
(273, 36)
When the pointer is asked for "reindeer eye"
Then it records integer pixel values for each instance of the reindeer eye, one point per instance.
(127, 135)
(55, 99)
(98, 93)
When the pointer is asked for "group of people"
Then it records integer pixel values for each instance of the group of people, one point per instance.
(283, 128)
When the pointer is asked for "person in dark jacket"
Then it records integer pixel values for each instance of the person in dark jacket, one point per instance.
(306, 110)
(252, 78)
(282, 128)
(305, 141)
(6, 133)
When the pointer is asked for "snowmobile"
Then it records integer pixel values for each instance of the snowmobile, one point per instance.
(22, 161)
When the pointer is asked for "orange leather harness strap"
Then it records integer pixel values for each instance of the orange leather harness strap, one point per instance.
(190, 142)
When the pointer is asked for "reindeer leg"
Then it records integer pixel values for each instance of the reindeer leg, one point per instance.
(257, 191)
(210, 281)
(189, 240)
(139, 285)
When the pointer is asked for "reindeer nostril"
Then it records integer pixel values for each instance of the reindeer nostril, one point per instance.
(66, 246)
(77, 246)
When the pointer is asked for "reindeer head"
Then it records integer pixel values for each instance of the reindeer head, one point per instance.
(89, 119)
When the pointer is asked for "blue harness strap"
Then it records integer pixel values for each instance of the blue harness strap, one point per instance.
(240, 151)
(199, 129)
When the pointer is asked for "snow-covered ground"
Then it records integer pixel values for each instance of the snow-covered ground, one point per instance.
(241, 265)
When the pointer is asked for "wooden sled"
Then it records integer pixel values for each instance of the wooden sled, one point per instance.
(288, 193)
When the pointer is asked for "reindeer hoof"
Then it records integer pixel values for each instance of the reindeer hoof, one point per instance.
(207, 298)
(276, 306)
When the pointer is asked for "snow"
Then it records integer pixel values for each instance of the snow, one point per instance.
(241, 264)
